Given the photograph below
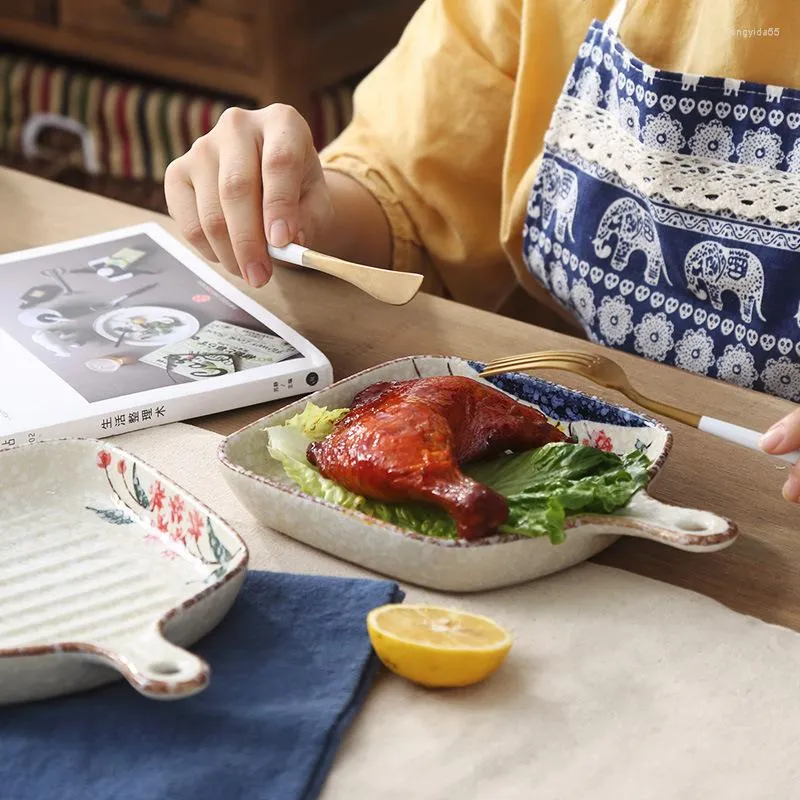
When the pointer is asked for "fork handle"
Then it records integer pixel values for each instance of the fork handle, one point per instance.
(740, 435)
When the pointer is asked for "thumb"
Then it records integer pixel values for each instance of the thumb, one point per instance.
(301, 240)
(783, 436)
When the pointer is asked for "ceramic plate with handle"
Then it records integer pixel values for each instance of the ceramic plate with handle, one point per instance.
(106, 567)
(459, 565)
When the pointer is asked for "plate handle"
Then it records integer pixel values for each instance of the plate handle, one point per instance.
(159, 669)
(683, 528)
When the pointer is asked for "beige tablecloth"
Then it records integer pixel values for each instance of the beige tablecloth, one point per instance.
(617, 687)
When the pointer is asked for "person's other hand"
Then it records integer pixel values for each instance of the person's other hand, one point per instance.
(255, 178)
(783, 437)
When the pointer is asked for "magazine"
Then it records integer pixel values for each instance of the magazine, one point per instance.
(128, 329)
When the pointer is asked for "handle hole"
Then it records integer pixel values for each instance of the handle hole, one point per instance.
(692, 526)
(164, 668)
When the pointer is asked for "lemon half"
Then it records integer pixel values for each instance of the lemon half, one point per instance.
(436, 646)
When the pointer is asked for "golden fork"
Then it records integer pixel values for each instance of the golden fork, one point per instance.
(605, 372)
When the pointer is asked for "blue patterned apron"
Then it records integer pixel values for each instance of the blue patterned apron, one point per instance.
(665, 215)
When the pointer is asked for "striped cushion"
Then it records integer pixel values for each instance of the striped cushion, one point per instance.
(130, 131)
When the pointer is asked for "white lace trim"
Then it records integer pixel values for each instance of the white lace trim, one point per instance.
(706, 185)
(722, 227)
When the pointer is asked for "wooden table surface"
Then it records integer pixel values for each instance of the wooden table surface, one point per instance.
(758, 575)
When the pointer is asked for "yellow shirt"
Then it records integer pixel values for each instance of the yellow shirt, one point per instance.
(448, 128)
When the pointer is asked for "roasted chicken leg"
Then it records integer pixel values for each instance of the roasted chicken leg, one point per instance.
(404, 441)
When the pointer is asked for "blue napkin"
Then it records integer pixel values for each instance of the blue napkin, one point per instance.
(291, 666)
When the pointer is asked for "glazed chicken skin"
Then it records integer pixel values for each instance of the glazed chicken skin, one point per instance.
(405, 441)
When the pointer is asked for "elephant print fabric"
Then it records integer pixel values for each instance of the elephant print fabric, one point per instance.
(720, 269)
(627, 226)
(665, 216)
(559, 197)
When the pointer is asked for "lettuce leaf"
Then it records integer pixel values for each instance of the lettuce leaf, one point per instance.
(542, 486)
(546, 485)
(315, 422)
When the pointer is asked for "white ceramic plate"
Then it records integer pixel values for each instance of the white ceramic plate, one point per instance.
(262, 486)
(100, 558)
(112, 324)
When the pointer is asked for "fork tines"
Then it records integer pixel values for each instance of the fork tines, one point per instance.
(529, 359)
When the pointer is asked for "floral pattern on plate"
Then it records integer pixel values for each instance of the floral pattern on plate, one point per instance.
(179, 531)
(562, 404)
(82, 557)
(589, 420)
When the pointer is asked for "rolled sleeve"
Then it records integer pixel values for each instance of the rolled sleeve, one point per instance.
(406, 246)
(428, 141)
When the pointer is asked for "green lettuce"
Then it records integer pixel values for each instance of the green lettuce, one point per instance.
(542, 486)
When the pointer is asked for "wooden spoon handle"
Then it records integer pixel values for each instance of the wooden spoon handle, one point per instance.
(388, 286)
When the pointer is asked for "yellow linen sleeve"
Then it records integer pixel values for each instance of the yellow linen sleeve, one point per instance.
(428, 140)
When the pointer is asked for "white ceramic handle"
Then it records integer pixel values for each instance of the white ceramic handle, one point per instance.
(159, 669)
(682, 528)
(292, 253)
(739, 435)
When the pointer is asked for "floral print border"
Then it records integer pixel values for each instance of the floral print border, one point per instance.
(562, 404)
(179, 529)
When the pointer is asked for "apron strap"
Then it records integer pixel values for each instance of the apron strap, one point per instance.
(614, 19)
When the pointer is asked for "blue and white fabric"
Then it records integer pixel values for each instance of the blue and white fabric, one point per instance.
(666, 216)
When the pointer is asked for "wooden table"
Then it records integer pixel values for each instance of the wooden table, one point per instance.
(759, 575)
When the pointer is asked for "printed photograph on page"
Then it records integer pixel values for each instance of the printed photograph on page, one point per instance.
(125, 316)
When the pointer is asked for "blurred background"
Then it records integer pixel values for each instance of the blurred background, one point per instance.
(103, 94)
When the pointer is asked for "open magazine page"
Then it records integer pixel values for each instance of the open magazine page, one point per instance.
(129, 329)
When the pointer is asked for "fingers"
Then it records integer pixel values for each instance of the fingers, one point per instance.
(283, 165)
(240, 190)
(205, 179)
(241, 186)
(791, 489)
(182, 206)
(316, 212)
(205, 226)
(783, 437)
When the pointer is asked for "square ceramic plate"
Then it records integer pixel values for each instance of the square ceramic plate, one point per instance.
(100, 558)
(262, 486)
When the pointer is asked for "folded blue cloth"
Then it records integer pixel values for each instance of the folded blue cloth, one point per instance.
(291, 666)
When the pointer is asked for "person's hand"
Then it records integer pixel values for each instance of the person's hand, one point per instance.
(783, 437)
(255, 178)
